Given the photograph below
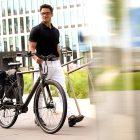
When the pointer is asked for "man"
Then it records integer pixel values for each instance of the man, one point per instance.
(44, 39)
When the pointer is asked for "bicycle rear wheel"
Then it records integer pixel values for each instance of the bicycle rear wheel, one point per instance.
(8, 111)
(51, 109)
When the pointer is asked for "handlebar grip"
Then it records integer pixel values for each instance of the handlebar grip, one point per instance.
(26, 54)
(30, 54)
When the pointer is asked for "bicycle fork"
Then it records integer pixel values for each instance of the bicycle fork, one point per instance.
(48, 105)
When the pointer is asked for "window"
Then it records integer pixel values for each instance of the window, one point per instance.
(79, 1)
(34, 20)
(0, 28)
(21, 25)
(5, 44)
(1, 47)
(72, 2)
(67, 42)
(10, 7)
(60, 18)
(61, 38)
(4, 26)
(23, 43)
(59, 3)
(73, 16)
(28, 24)
(17, 43)
(65, 2)
(21, 6)
(74, 36)
(27, 41)
(11, 44)
(33, 5)
(66, 17)
(54, 18)
(27, 6)
(67, 39)
(54, 3)
(47, 1)
(3, 7)
(80, 15)
(40, 2)
(16, 25)
(10, 26)
(16, 7)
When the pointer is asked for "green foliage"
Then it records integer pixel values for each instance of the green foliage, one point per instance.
(136, 81)
(28, 82)
(116, 8)
(117, 84)
(124, 81)
(79, 81)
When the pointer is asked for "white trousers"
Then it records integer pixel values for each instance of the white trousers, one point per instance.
(55, 72)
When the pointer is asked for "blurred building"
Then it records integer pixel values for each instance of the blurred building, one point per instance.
(17, 17)
(82, 24)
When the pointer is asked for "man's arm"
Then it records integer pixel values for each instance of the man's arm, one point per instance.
(59, 50)
(32, 48)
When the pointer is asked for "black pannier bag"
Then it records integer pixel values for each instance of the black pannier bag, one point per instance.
(11, 80)
(2, 83)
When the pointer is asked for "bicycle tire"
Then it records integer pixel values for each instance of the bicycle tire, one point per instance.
(7, 106)
(52, 108)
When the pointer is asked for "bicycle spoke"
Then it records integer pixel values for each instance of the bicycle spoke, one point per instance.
(51, 114)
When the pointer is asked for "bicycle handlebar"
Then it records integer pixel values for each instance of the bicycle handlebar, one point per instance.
(30, 54)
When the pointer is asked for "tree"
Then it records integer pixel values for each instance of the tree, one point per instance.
(116, 7)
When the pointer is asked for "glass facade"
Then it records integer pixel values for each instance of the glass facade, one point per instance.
(4, 26)
(10, 25)
(27, 6)
(21, 6)
(4, 7)
(15, 25)
(15, 7)
(10, 7)
(19, 16)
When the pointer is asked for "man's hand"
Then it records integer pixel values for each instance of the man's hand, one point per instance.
(32, 46)
(37, 59)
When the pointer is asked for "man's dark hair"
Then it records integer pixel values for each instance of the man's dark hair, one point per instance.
(46, 6)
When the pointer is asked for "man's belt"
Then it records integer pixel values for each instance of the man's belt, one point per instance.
(53, 59)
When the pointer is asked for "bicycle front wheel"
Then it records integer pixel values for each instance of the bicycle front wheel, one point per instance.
(51, 107)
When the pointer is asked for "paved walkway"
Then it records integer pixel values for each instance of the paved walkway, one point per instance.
(25, 128)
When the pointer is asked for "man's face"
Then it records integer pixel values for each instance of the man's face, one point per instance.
(46, 14)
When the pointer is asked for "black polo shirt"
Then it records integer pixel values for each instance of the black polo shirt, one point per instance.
(47, 39)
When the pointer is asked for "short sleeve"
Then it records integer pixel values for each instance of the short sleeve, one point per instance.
(33, 35)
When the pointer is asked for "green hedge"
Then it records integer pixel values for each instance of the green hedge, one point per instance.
(78, 79)
(122, 81)
(28, 82)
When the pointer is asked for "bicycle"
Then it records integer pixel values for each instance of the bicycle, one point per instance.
(50, 103)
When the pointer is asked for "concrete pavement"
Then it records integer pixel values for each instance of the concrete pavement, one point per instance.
(117, 117)
(25, 128)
